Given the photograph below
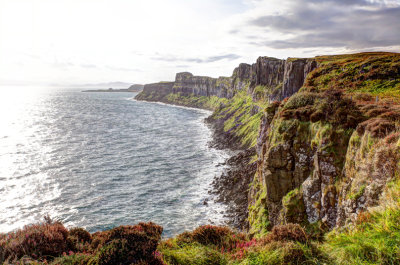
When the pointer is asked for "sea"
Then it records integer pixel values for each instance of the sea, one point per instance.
(100, 160)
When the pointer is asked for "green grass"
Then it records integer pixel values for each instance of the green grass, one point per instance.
(210, 103)
(193, 253)
(240, 118)
(375, 239)
(258, 212)
(373, 73)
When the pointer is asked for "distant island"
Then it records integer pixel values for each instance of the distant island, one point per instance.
(132, 88)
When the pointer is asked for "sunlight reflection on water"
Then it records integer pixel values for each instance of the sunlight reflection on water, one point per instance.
(98, 160)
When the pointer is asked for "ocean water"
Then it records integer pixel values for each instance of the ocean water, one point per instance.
(99, 160)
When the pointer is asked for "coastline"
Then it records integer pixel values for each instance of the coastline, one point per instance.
(232, 185)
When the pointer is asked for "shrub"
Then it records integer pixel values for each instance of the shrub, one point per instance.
(288, 232)
(209, 234)
(80, 234)
(43, 240)
(184, 238)
(378, 127)
(114, 252)
(73, 259)
(79, 239)
(329, 106)
(300, 100)
(128, 244)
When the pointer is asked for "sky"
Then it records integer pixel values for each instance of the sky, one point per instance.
(61, 43)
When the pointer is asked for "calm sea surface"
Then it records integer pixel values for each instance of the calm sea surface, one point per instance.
(99, 160)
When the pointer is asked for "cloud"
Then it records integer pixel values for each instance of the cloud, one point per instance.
(211, 59)
(88, 66)
(124, 69)
(352, 24)
(62, 65)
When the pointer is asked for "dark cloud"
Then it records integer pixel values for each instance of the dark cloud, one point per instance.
(328, 23)
(210, 59)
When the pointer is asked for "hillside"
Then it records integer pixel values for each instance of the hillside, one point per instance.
(319, 176)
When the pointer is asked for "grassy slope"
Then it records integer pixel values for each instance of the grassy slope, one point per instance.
(376, 74)
(242, 117)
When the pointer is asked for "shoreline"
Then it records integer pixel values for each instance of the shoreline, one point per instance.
(230, 187)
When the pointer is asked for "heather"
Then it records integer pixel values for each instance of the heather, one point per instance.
(49, 242)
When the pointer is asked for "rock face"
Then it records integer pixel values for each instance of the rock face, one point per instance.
(295, 74)
(330, 169)
(269, 78)
(321, 156)
(155, 91)
(187, 84)
(269, 71)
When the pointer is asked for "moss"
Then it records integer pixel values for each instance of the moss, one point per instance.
(358, 194)
(241, 117)
(210, 103)
(258, 213)
(293, 208)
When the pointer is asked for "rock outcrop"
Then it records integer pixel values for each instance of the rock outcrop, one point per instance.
(269, 78)
(327, 164)
(156, 91)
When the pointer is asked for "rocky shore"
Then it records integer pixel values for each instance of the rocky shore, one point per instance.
(232, 186)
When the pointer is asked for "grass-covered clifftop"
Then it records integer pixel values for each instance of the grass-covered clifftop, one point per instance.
(374, 73)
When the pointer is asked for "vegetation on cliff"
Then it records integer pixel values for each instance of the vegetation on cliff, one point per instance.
(328, 157)
(374, 73)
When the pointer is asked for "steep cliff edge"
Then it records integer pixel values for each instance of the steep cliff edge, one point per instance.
(155, 91)
(268, 79)
(305, 118)
(326, 153)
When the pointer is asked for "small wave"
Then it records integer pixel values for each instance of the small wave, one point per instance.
(111, 162)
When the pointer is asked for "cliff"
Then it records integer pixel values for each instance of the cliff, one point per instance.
(316, 180)
(305, 140)
(155, 91)
(326, 154)
(269, 78)
(327, 146)
(136, 87)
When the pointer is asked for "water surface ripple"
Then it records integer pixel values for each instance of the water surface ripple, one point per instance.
(99, 160)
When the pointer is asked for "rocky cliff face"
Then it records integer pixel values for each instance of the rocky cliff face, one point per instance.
(156, 91)
(323, 155)
(269, 78)
(318, 163)
(187, 84)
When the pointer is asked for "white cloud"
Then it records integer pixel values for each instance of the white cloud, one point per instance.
(141, 41)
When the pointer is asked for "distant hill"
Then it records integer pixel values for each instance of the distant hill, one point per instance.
(112, 87)
(105, 85)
